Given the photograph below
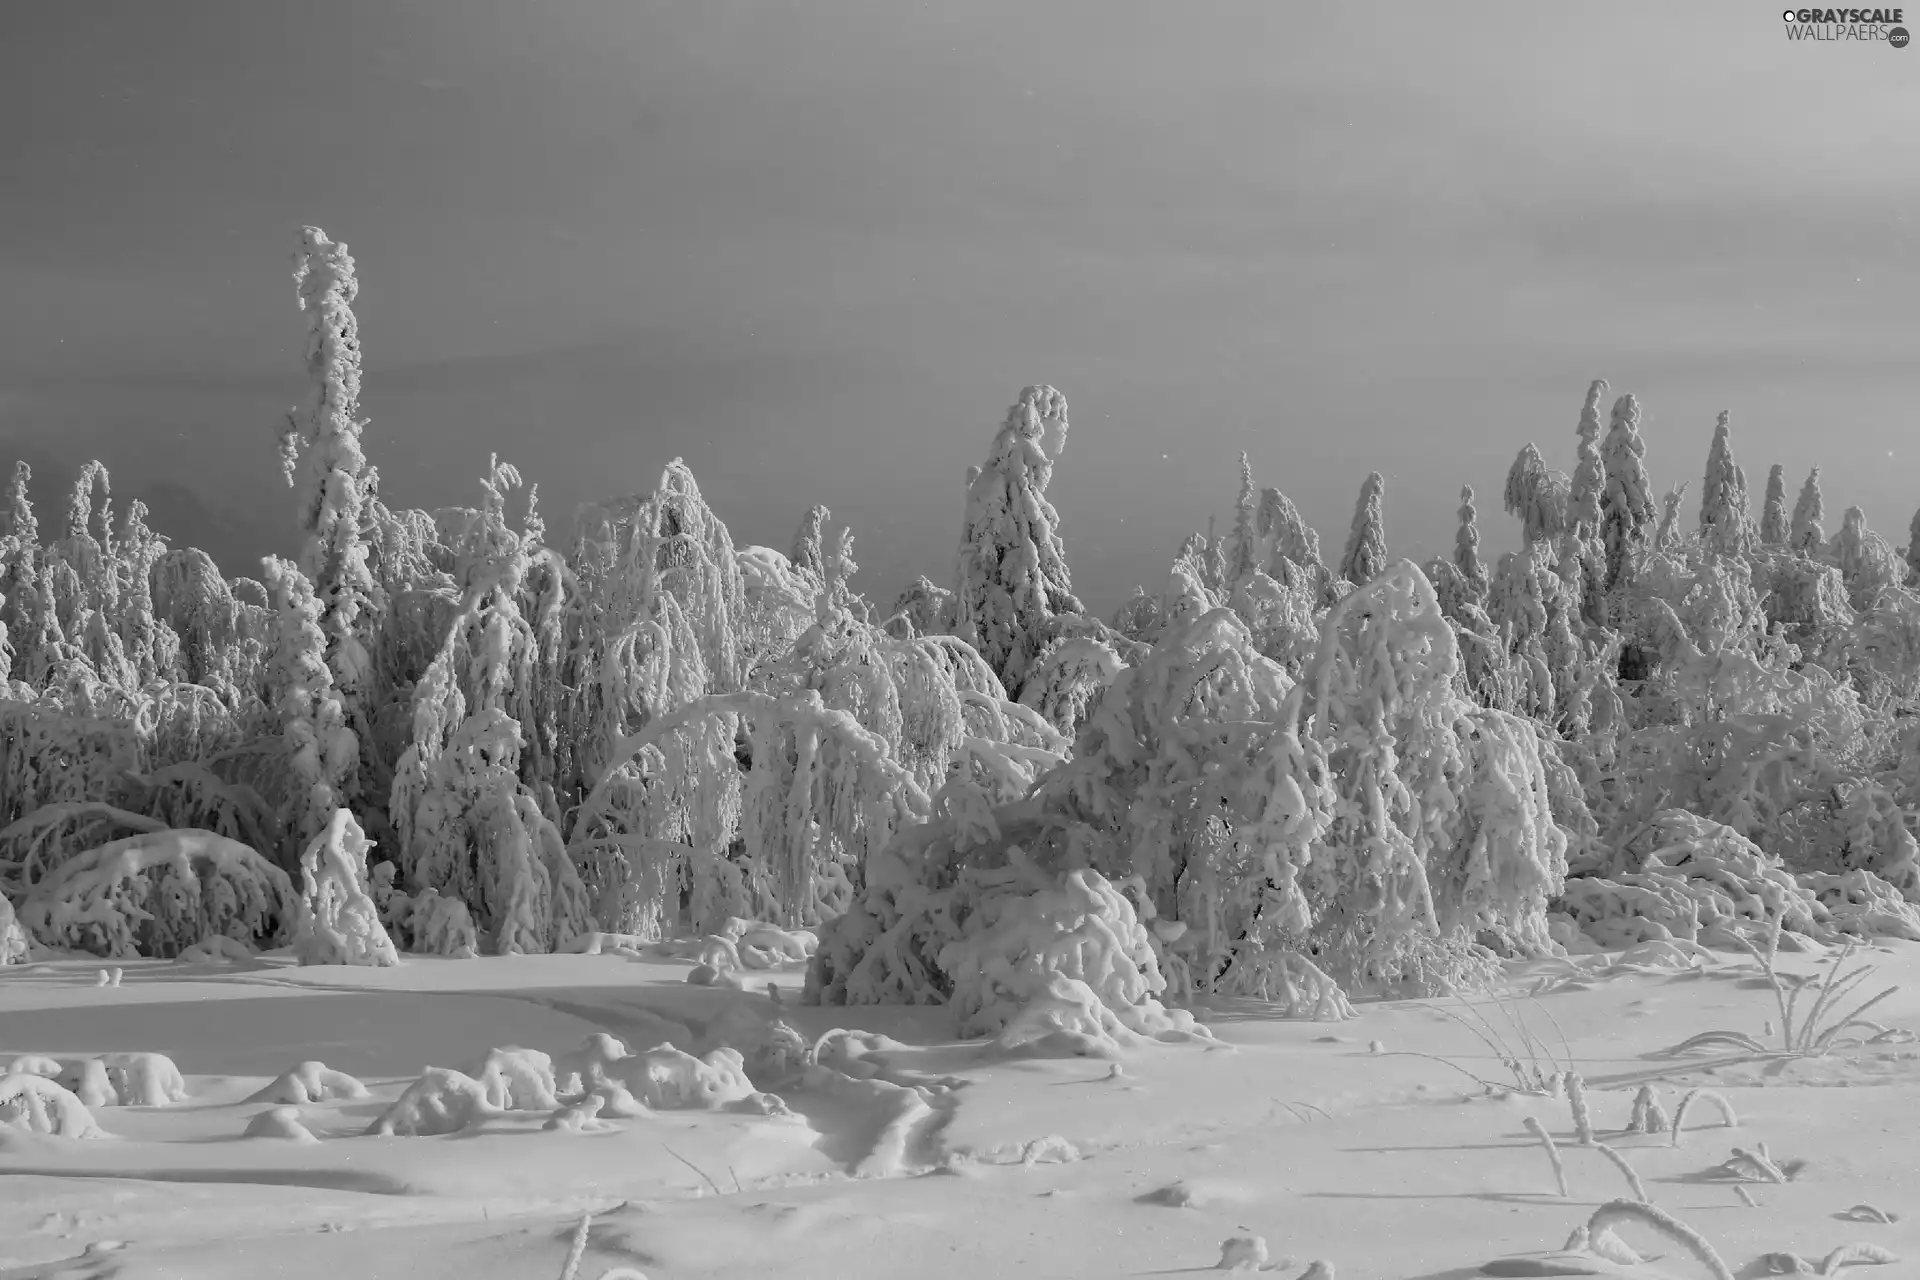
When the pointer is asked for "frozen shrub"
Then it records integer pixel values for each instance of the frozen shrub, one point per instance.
(667, 1078)
(311, 1082)
(145, 1079)
(439, 1102)
(36, 1104)
(14, 946)
(514, 1079)
(336, 922)
(1072, 963)
(158, 894)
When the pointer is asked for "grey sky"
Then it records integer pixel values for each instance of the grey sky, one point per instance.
(817, 249)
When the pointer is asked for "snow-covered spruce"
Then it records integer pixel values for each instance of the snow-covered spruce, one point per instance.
(336, 921)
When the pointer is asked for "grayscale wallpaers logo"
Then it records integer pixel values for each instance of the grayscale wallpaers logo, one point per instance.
(1822, 25)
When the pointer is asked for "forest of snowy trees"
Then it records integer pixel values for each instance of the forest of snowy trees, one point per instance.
(1279, 772)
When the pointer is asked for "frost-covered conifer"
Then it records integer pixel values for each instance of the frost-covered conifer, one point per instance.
(1774, 524)
(321, 751)
(1013, 574)
(806, 540)
(16, 512)
(1913, 551)
(1589, 472)
(1244, 556)
(1665, 533)
(1466, 547)
(1282, 529)
(1808, 533)
(1366, 553)
(1867, 563)
(333, 478)
(1725, 525)
(1626, 508)
(1538, 496)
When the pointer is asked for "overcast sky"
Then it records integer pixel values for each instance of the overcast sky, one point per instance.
(817, 248)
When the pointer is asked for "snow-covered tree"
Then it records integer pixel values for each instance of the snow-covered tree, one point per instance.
(1775, 526)
(1538, 496)
(1913, 551)
(1725, 525)
(1366, 553)
(1626, 508)
(1808, 532)
(321, 751)
(1244, 556)
(1013, 573)
(1867, 563)
(1285, 531)
(334, 475)
(806, 540)
(1590, 471)
(1466, 546)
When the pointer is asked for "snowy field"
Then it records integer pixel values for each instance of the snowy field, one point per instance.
(464, 900)
(914, 1153)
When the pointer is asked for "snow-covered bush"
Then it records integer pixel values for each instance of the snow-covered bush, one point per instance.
(15, 948)
(157, 894)
(336, 921)
(35, 1104)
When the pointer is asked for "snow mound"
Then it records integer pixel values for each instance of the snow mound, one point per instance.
(515, 1079)
(585, 1069)
(35, 1104)
(581, 1117)
(281, 1123)
(439, 1102)
(121, 1080)
(1068, 969)
(311, 1082)
(667, 1078)
(145, 1079)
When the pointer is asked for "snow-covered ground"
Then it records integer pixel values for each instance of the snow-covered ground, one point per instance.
(910, 1152)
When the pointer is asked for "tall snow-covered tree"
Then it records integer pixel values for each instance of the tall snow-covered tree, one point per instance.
(1808, 533)
(333, 476)
(1013, 574)
(1466, 546)
(1366, 553)
(1537, 496)
(1913, 551)
(806, 540)
(1725, 525)
(1775, 526)
(321, 749)
(1866, 561)
(1286, 532)
(16, 512)
(1626, 508)
(1243, 556)
(1589, 472)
